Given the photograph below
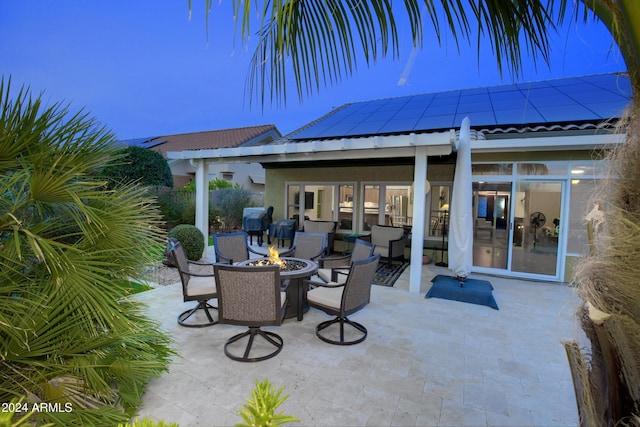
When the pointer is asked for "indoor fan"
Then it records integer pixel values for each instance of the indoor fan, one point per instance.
(537, 220)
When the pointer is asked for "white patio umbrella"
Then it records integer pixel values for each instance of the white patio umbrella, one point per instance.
(461, 213)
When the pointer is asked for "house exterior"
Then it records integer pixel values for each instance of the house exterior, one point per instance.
(536, 159)
(250, 175)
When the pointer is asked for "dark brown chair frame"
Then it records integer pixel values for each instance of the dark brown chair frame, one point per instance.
(339, 265)
(182, 263)
(223, 258)
(237, 306)
(299, 251)
(355, 295)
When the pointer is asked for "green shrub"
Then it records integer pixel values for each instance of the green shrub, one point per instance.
(174, 205)
(214, 184)
(191, 238)
(146, 422)
(260, 409)
(145, 167)
(231, 202)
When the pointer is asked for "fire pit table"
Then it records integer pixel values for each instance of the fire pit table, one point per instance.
(295, 270)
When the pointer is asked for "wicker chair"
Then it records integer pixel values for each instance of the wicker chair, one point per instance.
(251, 296)
(198, 287)
(344, 299)
(231, 248)
(309, 246)
(336, 269)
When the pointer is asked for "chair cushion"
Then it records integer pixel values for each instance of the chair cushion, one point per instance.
(325, 275)
(201, 286)
(380, 236)
(319, 226)
(329, 297)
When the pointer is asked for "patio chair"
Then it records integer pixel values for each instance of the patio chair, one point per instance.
(325, 227)
(389, 241)
(200, 287)
(344, 299)
(309, 246)
(251, 296)
(231, 248)
(336, 269)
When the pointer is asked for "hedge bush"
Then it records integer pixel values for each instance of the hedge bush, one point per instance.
(174, 206)
(142, 165)
(191, 239)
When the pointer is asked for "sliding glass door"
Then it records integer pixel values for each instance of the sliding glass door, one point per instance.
(517, 226)
(538, 206)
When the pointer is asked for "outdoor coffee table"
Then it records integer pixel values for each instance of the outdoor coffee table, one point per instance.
(296, 271)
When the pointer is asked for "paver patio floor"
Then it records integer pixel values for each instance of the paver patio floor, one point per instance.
(425, 362)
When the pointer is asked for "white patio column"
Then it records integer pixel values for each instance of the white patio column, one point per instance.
(202, 200)
(417, 229)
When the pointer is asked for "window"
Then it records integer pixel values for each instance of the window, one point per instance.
(321, 202)
(581, 203)
(371, 206)
(386, 204)
(543, 168)
(492, 169)
(293, 201)
(439, 210)
(398, 209)
(345, 214)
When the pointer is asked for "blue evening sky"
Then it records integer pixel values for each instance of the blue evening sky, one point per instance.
(143, 68)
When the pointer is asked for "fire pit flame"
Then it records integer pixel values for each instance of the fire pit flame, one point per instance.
(274, 257)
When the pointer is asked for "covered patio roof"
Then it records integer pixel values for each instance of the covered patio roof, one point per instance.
(538, 116)
(417, 146)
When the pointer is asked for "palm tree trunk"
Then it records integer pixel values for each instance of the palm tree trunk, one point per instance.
(606, 371)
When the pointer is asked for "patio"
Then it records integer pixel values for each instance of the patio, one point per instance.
(426, 362)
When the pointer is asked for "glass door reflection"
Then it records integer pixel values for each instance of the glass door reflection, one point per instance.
(491, 218)
(538, 223)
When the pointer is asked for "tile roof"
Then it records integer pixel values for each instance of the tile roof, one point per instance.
(222, 138)
(573, 100)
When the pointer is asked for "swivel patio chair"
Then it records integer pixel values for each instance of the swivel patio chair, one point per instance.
(336, 269)
(342, 300)
(309, 246)
(251, 296)
(231, 248)
(200, 287)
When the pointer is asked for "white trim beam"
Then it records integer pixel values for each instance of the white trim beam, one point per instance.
(202, 200)
(417, 228)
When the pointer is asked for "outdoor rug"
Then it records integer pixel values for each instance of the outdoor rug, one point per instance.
(387, 275)
(474, 291)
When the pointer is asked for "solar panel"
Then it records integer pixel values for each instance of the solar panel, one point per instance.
(554, 101)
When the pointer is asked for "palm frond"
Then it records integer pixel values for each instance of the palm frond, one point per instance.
(66, 245)
(316, 42)
(322, 42)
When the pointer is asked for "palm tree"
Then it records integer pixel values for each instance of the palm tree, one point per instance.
(321, 42)
(69, 338)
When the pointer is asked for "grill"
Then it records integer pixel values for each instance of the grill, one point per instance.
(255, 221)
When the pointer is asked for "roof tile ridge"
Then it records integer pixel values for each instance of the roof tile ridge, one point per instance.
(267, 126)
